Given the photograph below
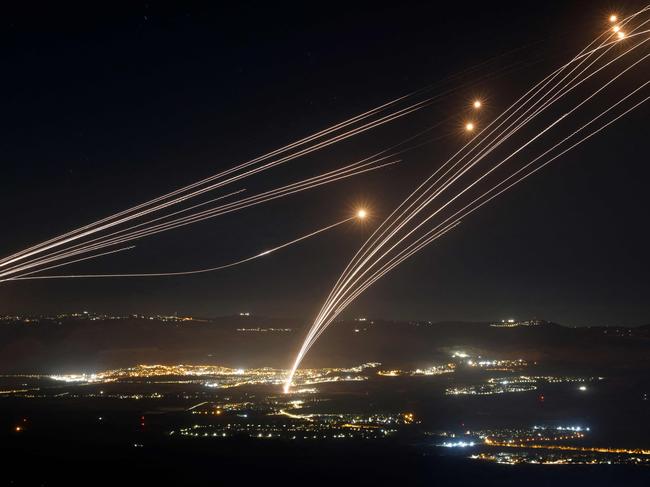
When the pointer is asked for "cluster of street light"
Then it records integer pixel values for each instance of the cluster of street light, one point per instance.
(486, 167)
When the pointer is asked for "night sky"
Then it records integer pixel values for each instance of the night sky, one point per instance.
(106, 107)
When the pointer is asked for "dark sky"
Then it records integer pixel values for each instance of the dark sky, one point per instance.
(105, 107)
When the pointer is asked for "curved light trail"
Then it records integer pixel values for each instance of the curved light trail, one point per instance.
(120, 237)
(409, 228)
(378, 116)
(360, 215)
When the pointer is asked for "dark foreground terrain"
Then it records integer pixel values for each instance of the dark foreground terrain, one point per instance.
(75, 455)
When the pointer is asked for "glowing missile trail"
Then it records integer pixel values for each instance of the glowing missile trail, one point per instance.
(122, 236)
(435, 233)
(473, 206)
(414, 224)
(360, 215)
(387, 267)
(180, 195)
(414, 248)
(380, 273)
(536, 89)
(104, 241)
(347, 171)
(94, 256)
(540, 98)
(146, 207)
(439, 178)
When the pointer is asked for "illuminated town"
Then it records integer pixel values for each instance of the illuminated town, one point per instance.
(479, 404)
(221, 403)
(221, 377)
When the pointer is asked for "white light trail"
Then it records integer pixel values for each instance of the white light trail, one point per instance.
(191, 272)
(369, 264)
(119, 237)
(279, 156)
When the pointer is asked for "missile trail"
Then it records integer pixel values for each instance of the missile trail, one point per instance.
(461, 214)
(147, 208)
(527, 136)
(94, 256)
(292, 188)
(191, 272)
(368, 264)
(178, 195)
(427, 239)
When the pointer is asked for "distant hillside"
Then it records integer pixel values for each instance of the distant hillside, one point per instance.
(94, 343)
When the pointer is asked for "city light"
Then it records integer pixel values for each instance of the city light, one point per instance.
(512, 444)
(469, 126)
(457, 444)
(477, 104)
(218, 377)
(613, 18)
(362, 214)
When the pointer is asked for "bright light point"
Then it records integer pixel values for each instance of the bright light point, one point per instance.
(469, 126)
(477, 104)
(583, 388)
(616, 28)
(621, 34)
(361, 214)
(613, 18)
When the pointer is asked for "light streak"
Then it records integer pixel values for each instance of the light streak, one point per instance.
(196, 193)
(390, 219)
(121, 237)
(197, 405)
(306, 417)
(180, 195)
(190, 272)
(102, 254)
(104, 241)
(542, 96)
